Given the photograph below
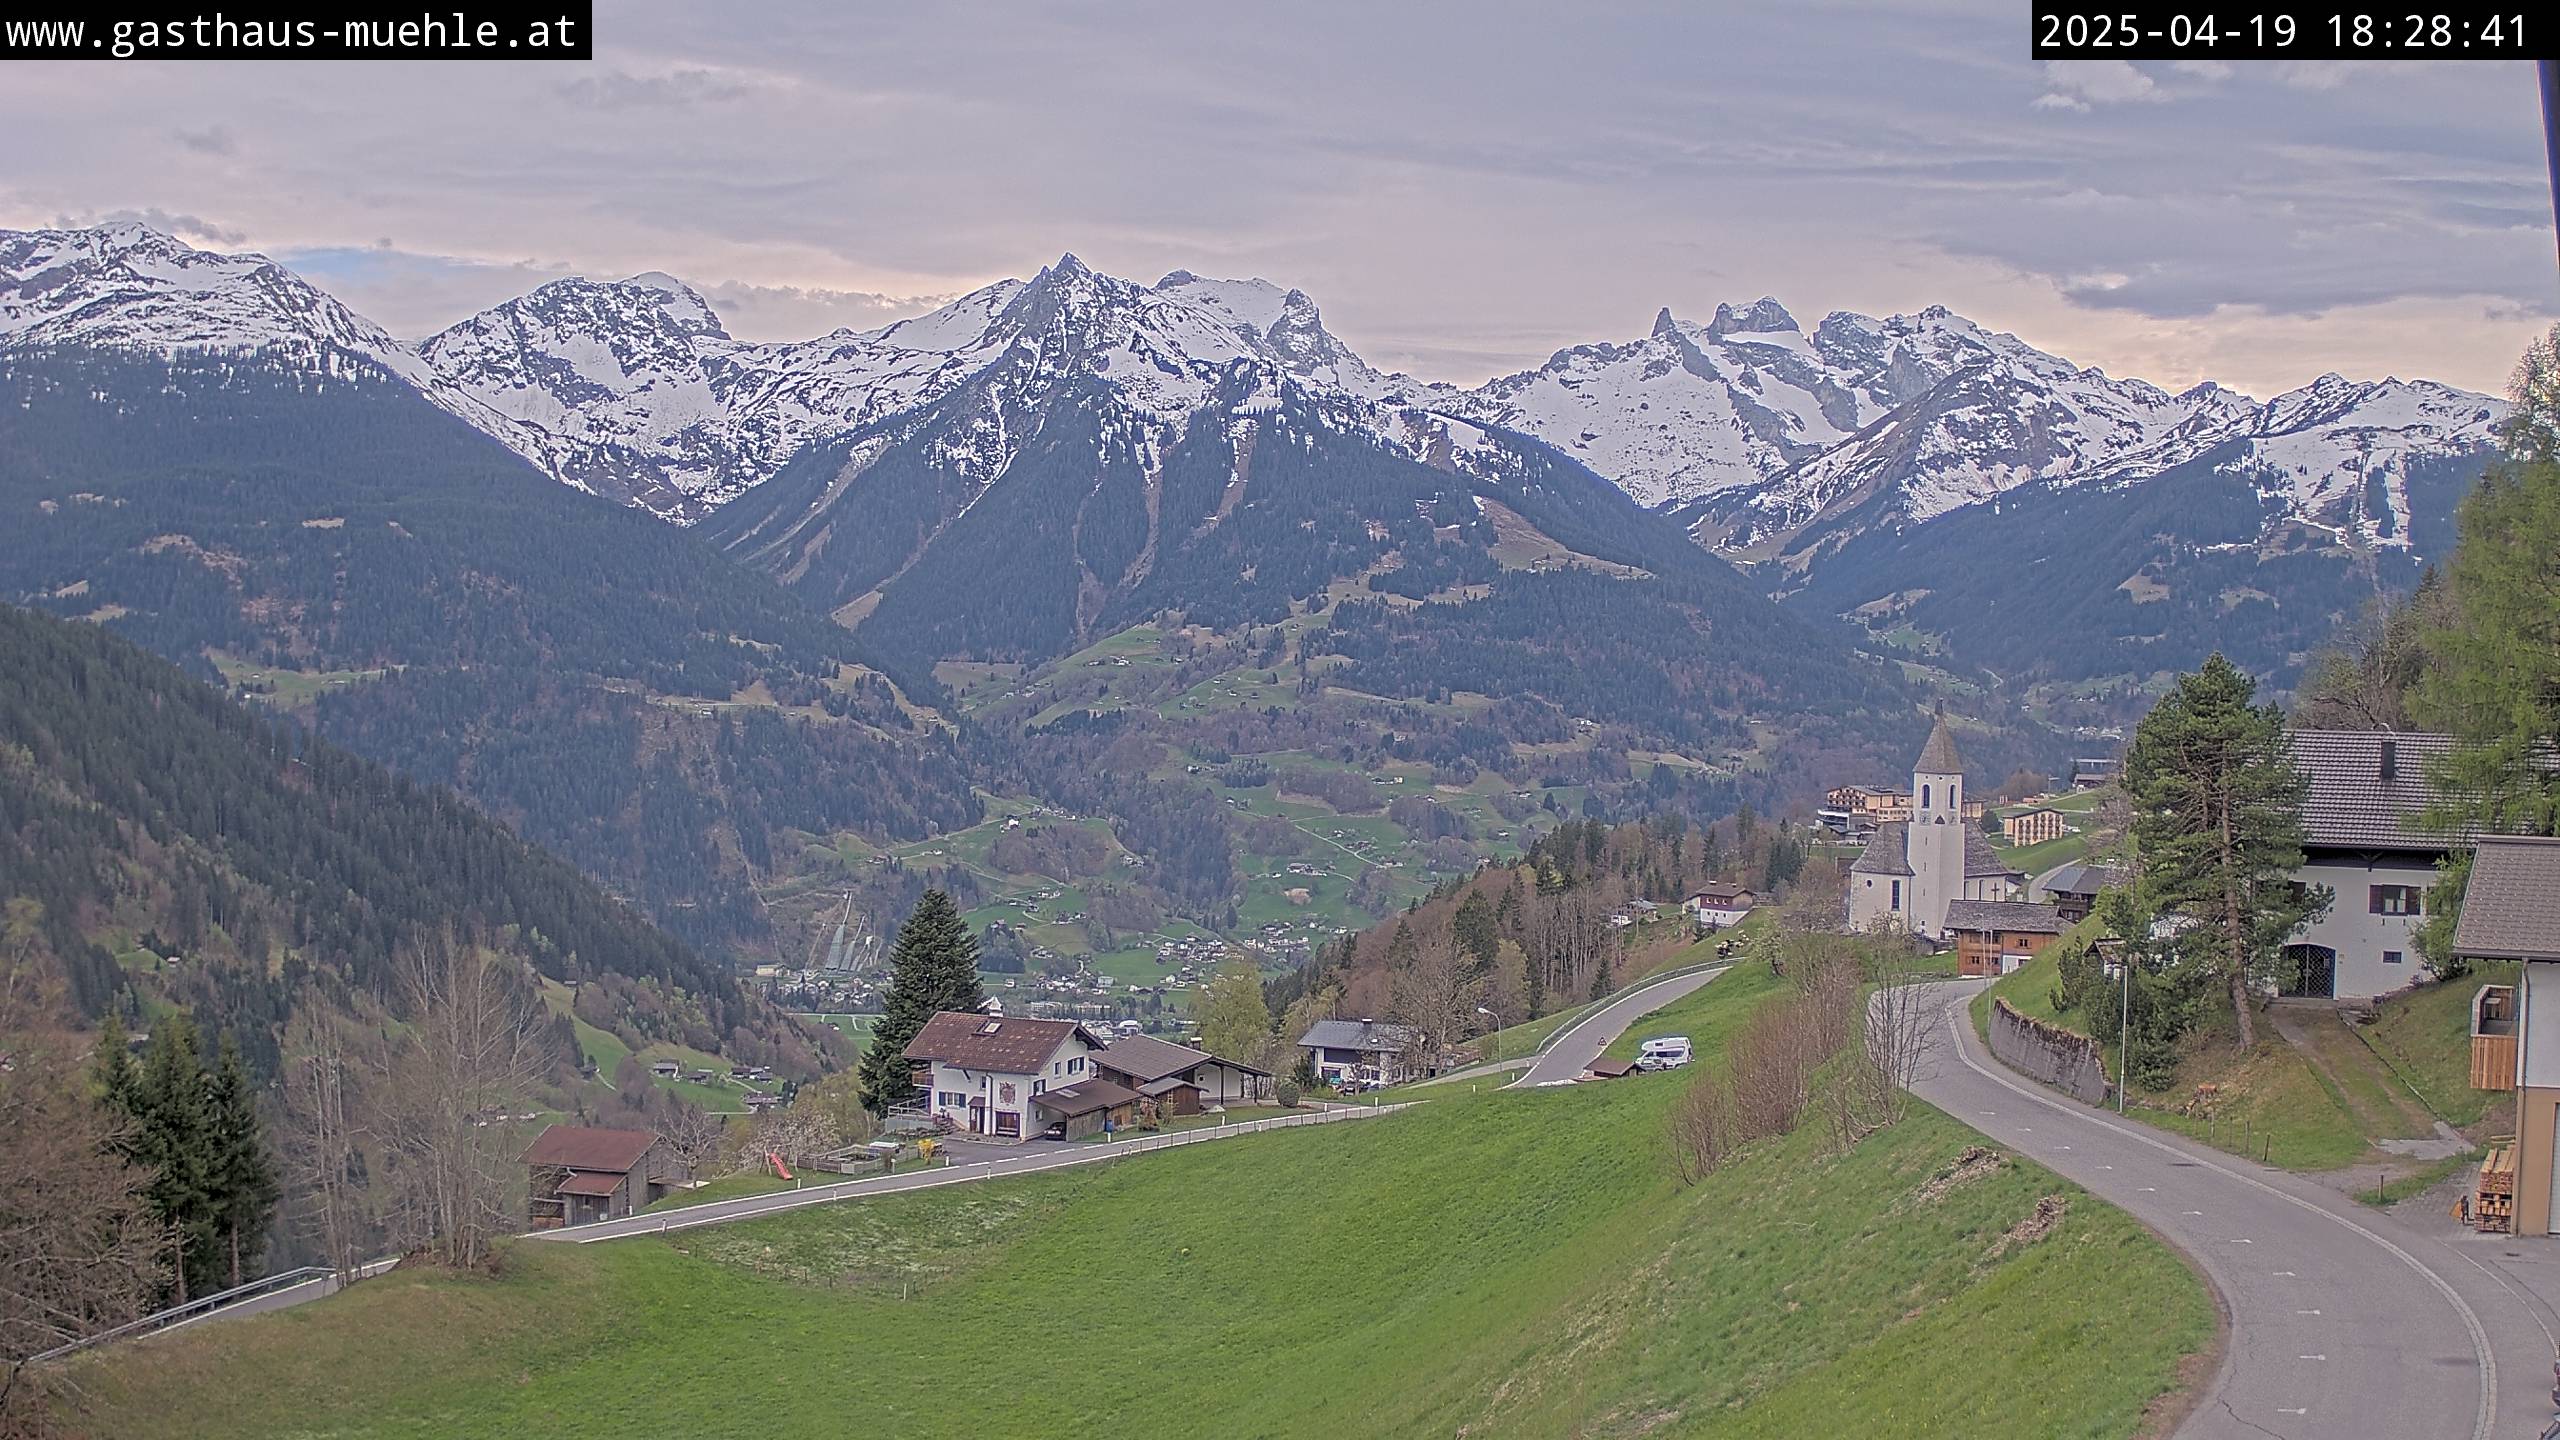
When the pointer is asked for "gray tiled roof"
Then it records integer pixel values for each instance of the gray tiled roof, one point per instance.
(2511, 908)
(2083, 877)
(2350, 806)
(1980, 859)
(1885, 853)
(2005, 915)
(1939, 756)
(1371, 1036)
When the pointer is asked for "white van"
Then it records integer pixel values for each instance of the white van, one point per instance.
(1663, 1052)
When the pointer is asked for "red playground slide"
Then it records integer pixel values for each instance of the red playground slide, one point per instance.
(780, 1170)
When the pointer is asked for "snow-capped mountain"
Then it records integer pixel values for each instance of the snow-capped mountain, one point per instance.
(127, 286)
(1757, 433)
(638, 392)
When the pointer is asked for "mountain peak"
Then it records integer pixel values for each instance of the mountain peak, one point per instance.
(682, 303)
(1663, 324)
(1764, 316)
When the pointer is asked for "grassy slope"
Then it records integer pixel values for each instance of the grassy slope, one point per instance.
(2274, 1102)
(1508, 1264)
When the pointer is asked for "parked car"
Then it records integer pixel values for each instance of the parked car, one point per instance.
(1663, 1052)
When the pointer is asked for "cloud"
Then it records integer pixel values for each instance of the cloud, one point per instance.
(185, 227)
(2202, 69)
(2082, 84)
(774, 312)
(675, 89)
(212, 140)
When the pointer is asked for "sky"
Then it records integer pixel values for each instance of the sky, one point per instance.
(1462, 187)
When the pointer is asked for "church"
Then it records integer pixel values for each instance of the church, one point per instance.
(1913, 870)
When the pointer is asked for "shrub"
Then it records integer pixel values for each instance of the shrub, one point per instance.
(1286, 1093)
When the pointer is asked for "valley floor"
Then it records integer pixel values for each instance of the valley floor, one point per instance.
(1508, 1263)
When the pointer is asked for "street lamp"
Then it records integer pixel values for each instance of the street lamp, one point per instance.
(1493, 1033)
(2124, 1025)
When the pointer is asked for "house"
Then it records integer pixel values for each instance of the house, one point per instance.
(1179, 1078)
(1911, 871)
(986, 1074)
(2094, 771)
(2511, 911)
(2033, 827)
(2073, 889)
(665, 1069)
(576, 1175)
(1858, 809)
(1363, 1051)
(2361, 839)
(1719, 905)
(1994, 937)
(1606, 1068)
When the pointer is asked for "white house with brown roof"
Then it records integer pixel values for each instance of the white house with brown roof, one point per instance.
(1912, 871)
(986, 1074)
(1178, 1078)
(2361, 839)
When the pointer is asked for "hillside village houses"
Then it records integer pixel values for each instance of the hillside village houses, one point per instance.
(576, 1174)
(2034, 827)
(1854, 810)
(1362, 1051)
(1719, 905)
(1913, 870)
(2361, 839)
(2511, 912)
(1016, 1079)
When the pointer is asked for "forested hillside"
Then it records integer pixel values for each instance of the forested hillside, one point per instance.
(191, 851)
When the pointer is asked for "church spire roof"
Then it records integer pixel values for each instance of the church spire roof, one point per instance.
(1939, 756)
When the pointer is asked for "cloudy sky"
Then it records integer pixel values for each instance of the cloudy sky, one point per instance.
(1463, 187)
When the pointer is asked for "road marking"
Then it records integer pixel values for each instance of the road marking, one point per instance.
(2244, 1242)
(2291, 1410)
(2311, 1357)
(2306, 1312)
(2289, 1275)
(2484, 1414)
(2150, 1189)
(2191, 1212)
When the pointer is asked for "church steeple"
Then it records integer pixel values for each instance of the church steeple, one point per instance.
(1939, 756)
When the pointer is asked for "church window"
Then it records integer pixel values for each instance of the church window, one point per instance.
(1924, 797)
(1897, 894)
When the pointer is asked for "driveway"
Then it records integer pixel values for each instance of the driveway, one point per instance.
(1573, 1049)
(2343, 1320)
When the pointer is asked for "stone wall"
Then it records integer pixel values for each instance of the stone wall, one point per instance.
(2064, 1059)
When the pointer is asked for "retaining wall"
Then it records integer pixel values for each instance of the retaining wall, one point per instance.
(2064, 1059)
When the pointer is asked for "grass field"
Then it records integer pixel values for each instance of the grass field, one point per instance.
(1503, 1264)
(2320, 1101)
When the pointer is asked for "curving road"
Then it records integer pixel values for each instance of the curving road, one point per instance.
(1573, 1048)
(2343, 1321)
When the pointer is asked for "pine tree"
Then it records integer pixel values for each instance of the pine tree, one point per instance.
(111, 1064)
(2218, 821)
(933, 967)
(1476, 931)
(170, 1138)
(244, 1183)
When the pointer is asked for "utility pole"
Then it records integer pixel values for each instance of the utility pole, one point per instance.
(2124, 1025)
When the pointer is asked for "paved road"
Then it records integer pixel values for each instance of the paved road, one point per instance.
(1573, 1049)
(2344, 1322)
(1030, 1161)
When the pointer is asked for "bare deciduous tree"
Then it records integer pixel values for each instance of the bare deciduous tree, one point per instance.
(79, 1247)
(1436, 998)
(323, 1139)
(476, 1047)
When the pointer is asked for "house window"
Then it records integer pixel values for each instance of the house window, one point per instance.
(1075, 1065)
(1039, 1087)
(952, 1097)
(2390, 957)
(1897, 894)
(2396, 899)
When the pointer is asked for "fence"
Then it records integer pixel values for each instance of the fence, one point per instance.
(2064, 1059)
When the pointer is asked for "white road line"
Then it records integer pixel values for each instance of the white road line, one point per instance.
(2484, 1417)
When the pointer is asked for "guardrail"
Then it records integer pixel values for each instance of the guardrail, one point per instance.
(193, 1309)
(746, 1208)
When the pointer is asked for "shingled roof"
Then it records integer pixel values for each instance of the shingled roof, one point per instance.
(1886, 852)
(1939, 756)
(1980, 859)
(1144, 1057)
(993, 1043)
(2511, 908)
(579, 1147)
(2368, 788)
(1084, 1097)
(2018, 915)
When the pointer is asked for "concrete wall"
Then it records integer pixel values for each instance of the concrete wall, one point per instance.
(2065, 1059)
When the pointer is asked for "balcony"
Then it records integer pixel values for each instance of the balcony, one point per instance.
(2493, 1038)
